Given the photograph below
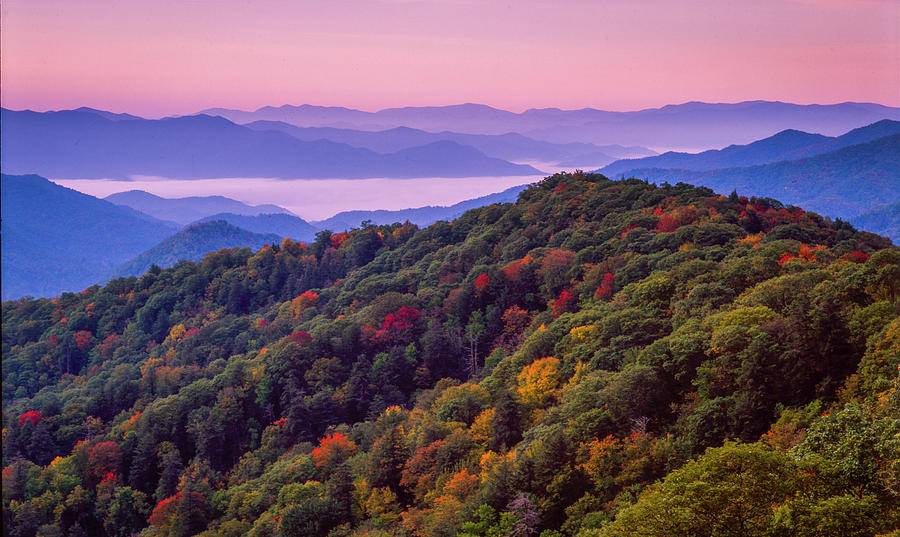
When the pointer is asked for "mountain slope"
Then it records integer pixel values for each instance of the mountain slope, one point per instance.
(73, 144)
(786, 145)
(884, 220)
(283, 225)
(598, 359)
(192, 243)
(55, 239)
(842, 183)
(190, 209)
(420, 216)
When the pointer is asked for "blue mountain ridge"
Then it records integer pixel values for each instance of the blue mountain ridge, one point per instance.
(80, 144)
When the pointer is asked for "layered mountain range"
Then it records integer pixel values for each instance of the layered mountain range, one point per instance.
(688, 125)
(841, 176)
(854, 176)
(82, 144)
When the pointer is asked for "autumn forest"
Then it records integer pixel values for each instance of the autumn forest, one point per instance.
(600, 358)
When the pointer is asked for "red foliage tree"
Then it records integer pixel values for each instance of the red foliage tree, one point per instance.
(108, 346)
(605, 289)
(83, 339)
(32, 416)
(402, 318)
(565, 302)
(856, 257)
(166, 511)
(667, 224)
(300, 338)
(514, 269)
(104, 458)
(680, 216)
(396, 325)
(481, 282)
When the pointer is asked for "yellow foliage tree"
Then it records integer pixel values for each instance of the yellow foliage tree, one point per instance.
(537, 382)
(177, 332)
(481, 430)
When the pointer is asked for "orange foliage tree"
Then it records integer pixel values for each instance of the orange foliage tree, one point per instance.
(333, 450)
(308, 299)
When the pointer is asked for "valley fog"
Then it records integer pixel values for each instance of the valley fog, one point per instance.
(313, 199)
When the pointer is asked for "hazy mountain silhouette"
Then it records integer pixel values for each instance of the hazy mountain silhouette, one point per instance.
(509, 146)
(192, 243)
(717, 125)
(56, 239)
(591, 160)
(187, 210)
(692, 124)
(842, 183)
(475, 118)
(786, 145)
(80, 144)
(283, 225)
(108, 115)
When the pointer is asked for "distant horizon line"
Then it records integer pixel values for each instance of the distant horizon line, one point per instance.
(436, 106)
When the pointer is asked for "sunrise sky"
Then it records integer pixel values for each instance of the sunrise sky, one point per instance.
(176, 57)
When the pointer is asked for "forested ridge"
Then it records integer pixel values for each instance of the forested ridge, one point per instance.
(602, 358)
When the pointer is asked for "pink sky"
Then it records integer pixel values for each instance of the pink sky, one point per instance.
(175, 57)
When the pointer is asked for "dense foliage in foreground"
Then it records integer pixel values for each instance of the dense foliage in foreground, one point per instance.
(601, 358)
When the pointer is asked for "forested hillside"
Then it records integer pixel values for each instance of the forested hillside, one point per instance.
(193, 242)
(602, 358)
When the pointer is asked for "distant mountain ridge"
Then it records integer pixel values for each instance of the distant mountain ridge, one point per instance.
(508, 146)
(56, 239)
(82, 144)
(190, 209)
(842, 183)
(785, 145)
(691, 124)
(421, 216)
(283, 225)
